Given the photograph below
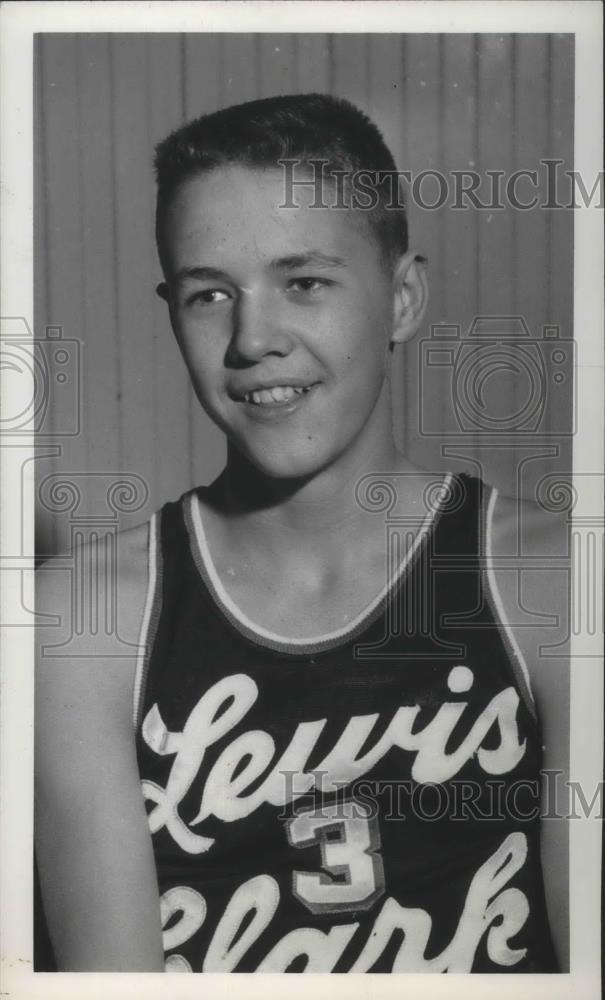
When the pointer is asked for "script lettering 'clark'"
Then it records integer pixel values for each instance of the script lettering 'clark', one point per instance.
(249, 755)
(489, 908)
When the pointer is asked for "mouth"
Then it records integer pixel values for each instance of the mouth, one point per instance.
(278, 402)
(277, 395)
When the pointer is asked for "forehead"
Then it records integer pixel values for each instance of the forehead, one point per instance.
(236, 213)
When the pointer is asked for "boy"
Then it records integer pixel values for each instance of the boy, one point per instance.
(284, 726)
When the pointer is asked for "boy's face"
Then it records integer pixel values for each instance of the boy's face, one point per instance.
(284, 317)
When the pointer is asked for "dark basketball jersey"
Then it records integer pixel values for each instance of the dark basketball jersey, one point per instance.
(363, 801)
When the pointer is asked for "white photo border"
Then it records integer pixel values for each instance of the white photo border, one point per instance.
(20, 20)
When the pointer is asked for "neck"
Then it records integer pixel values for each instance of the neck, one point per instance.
(313, 514)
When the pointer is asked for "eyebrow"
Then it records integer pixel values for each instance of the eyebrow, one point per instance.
(200, 274)
(291, 262)
(310, 258)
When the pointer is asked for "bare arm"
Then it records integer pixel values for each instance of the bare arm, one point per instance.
(92, 840)
(538, 587)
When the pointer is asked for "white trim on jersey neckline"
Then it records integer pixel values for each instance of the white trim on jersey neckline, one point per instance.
(495, 592)
(224, 598)
(152, 574)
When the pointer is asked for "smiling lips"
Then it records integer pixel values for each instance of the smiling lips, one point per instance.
(276, 394)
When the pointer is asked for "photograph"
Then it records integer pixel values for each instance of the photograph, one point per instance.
(309, 547)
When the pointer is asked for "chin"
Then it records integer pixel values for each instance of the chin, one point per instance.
(287, 465)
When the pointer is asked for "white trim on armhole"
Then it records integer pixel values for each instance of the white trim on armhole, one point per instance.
(497, 599)
(152, 564)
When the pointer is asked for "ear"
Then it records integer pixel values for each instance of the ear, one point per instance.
(410, 296)
(162, 290)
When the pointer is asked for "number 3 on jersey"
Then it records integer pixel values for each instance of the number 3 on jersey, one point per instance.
(348, 839)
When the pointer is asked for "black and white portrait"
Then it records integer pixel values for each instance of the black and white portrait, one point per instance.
(303, 422)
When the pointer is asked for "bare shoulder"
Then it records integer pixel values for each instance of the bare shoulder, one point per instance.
(90, 609)
(530, 553)
(525, 529)
(119, 578)
(530, 562)
(92, 839)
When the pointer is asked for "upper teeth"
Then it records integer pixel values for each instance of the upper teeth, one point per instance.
(277, 394)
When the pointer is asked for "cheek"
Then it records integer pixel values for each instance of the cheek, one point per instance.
(202, 368)
(200, 346)
(369, 348)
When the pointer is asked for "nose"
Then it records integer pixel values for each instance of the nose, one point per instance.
(259, 328)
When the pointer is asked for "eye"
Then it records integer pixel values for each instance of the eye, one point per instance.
(208, 297)
(308, 284)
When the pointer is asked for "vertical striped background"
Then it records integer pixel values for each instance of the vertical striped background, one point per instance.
(444, 102)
